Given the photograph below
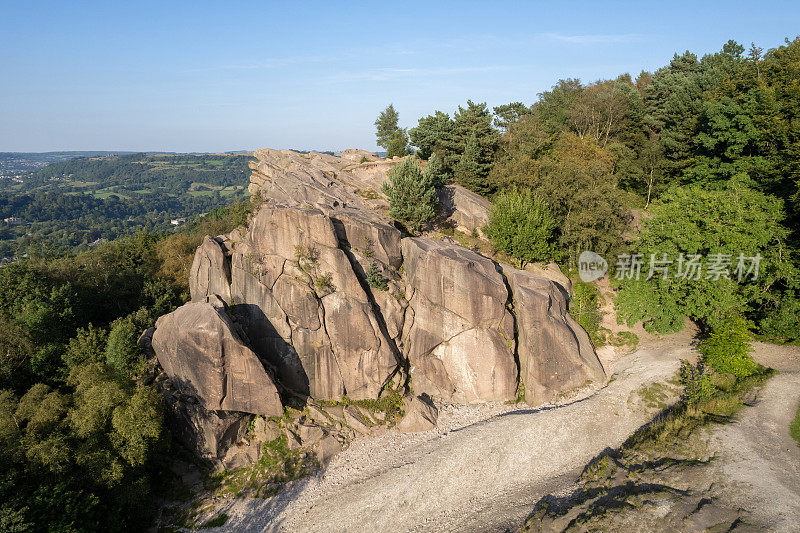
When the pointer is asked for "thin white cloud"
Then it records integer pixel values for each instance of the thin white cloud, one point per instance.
(385, 74)
(593, 38)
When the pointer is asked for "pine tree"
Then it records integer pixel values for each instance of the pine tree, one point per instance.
(435, 172)
(472, 169)
(412, 196)
(391, 136)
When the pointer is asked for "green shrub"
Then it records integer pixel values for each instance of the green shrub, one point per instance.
(375, 278)
(324, 283)
(88, 345)
(435, 172)
(122, 352)
(727, 349)
(412, 195)
(585, 309)
(783, 322)
(696, 382)
(521, 225)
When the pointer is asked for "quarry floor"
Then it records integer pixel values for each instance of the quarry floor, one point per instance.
(484, 466)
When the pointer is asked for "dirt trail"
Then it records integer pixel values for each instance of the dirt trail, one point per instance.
(758, 459)
(481, 469)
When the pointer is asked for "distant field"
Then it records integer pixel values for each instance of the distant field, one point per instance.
(76, 201)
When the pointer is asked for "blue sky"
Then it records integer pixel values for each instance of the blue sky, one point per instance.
(200, 76)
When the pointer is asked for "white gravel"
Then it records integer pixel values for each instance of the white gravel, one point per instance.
(481, 469)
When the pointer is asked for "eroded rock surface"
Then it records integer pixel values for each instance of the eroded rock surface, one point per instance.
(209, 434)
(555, 353)
(334, 301)
(460, 337)
(199, 349)
(467, 210)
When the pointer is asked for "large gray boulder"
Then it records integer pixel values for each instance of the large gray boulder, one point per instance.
(459, 339)
(555, 353)
(199, 349)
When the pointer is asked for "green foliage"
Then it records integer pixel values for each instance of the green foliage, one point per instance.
(74, 203)
(575, 177)
(585, 309)
(83, 448)
(217, 521)
(727, 349)
(433, 135)
(469, 133)
(412, 196)
(277, 465)
(391, 136)
(88, 345)
(434, 171)
(696, 381)
(137, 426)
(375, 277)
(507, 114)
(324, 283)
(781, 320)
(473, 167)
(794, 427)
(122, 353)
(521, 225)
(696, 221)
(710, 405)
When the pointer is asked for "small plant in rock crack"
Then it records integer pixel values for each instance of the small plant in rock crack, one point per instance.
(375, 277)
(324, 283)
(306, 257)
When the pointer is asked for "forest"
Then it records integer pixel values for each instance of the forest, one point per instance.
(82, 441)
(696, 164)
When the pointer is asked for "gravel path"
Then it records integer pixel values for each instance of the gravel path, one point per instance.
(481, 469)
(758, 459)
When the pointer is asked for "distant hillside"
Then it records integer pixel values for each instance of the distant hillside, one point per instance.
(14, 162)
(74, 202)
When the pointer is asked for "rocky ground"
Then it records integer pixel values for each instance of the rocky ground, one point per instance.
(482, 468)
(485, 466)
(738, 475)
(757, 458)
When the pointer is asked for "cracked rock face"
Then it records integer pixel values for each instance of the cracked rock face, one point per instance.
(461, 339)
(198, 347)
(333, 300)
(555, 353)
(304, 308)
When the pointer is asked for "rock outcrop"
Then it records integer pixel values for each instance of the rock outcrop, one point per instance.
(555, 353)
(460, 333)
(466, 210)
(303, 306)
(420, 415)
(208, 434)
(198, 347)
(332, 300)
